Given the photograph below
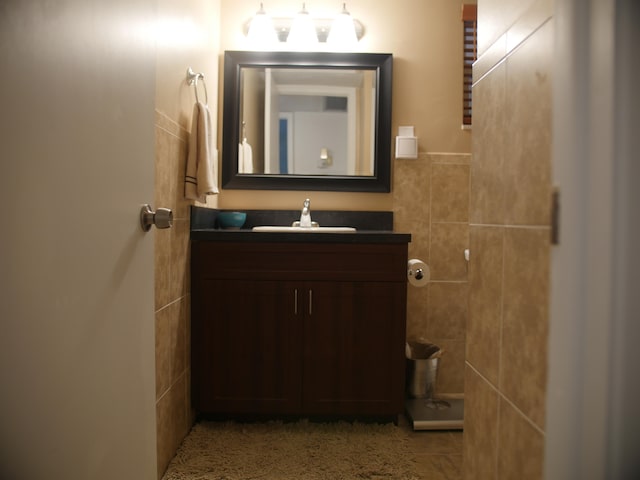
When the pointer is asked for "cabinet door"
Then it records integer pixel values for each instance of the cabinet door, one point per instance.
(354, 348)
(246, 347)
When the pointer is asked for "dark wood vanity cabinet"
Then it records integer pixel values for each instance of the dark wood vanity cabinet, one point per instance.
(298, 328)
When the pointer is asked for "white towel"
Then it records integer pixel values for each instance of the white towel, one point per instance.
(202, 160)
(247, 157)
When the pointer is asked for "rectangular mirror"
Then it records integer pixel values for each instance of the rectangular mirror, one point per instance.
(307, 121)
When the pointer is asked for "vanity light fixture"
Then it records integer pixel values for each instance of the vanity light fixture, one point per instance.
(339, 33)
(343, 32)
(302, 35)
(261, 34)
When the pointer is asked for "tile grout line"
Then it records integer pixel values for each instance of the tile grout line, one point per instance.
(506, 399)
(430, 235)
(159, 127)
(172, 302)
(500, 338)
(449, 223)
(510, 226)
(183, 373)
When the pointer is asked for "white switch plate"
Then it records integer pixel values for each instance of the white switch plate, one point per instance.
(406, 147)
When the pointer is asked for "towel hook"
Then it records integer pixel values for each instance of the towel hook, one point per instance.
(192, 79)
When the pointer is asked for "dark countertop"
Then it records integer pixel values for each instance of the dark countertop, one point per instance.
(371, 227)
(245, 235)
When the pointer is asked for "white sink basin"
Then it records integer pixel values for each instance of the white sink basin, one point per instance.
(284, 229)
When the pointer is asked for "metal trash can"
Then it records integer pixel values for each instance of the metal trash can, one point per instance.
(422, 368)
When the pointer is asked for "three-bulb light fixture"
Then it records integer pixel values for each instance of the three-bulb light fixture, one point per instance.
(303, 32)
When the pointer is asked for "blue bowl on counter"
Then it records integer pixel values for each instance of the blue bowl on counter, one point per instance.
(231, 220)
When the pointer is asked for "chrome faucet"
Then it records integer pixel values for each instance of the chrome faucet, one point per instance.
(305, 216)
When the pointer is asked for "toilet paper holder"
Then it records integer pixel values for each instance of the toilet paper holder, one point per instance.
(418, 272)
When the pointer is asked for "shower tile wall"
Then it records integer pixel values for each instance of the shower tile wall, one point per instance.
(431, 198)
(506, 349)
(173, 410)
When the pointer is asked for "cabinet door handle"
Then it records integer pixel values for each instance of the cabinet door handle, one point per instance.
(310, 302)
(295, 301)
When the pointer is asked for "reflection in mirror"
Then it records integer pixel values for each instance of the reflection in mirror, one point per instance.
(313, 122)
(307, 121)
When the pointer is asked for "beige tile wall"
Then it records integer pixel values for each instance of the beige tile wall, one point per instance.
(174, 416)
(188, 37)
(509, 239)
(431, 198)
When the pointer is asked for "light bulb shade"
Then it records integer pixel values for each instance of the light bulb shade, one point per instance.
(303, 31)
(342, 35)
(262, 34)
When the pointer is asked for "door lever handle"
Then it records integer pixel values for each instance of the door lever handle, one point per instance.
(161, 218)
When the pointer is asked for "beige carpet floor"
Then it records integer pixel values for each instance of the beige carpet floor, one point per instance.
(298, 450)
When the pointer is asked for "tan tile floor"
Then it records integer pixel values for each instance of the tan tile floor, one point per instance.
(438, 452)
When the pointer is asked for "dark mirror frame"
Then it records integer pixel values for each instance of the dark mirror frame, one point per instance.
(234, 61)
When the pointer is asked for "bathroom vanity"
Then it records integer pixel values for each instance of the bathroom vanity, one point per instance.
(306, 324)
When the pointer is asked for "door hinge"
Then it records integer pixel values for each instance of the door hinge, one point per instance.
(555, 217)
